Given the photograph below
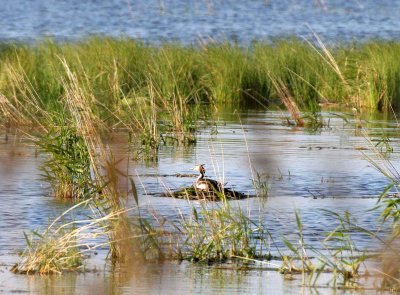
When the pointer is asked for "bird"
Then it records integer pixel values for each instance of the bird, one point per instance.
(206, 184)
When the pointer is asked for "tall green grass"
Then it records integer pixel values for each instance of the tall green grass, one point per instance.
(120, 72)
(215, 234)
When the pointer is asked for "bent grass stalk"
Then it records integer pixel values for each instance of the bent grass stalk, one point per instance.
(63, 245)
(78, 103)
(390, 213)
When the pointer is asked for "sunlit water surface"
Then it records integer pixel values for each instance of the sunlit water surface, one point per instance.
(305, 169)
(156, 21)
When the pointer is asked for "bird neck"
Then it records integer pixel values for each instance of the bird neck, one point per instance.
(201, 176)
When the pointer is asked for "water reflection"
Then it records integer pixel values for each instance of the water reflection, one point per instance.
(174, 278)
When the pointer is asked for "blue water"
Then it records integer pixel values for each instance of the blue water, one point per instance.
(327, 171)
(156, 21)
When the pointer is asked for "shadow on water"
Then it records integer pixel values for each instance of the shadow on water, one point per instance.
(305, 170)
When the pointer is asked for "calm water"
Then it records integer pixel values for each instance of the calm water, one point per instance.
(188, 21)
(307, 171)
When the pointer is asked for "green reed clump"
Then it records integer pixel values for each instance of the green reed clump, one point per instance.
(127, 80)
(67, 167)
(35, 73)
(224, 66)
(219, 233)
(381, 71)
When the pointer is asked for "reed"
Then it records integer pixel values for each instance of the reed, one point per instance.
(78, 99)
(121, 73)
(221, 233)
(389, 204)
(64, 245)
(381, 73)
(67, 166)
(339, 254)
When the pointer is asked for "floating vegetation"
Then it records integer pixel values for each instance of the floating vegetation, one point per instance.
(206, 189)
(193, 193)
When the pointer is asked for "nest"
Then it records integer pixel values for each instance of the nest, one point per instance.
(192, 193)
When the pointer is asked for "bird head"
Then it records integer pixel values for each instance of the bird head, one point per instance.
(200, 168)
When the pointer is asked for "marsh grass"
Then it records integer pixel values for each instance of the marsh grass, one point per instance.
(81, 166)
(67, 166)
(345, 258)
(159, 93)
(299, 253)
(65, 244)
(124, 74)
(220, 233)
(105, 175)
(261, 183)
(379, 158)
(338, 255)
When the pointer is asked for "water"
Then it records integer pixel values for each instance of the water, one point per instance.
(307, 170)
(188, 21)
(167, 278)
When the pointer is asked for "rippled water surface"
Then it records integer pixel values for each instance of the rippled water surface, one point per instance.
(188, 21)
(305, 169)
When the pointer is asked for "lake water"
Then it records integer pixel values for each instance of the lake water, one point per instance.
(188, 21)
(308, 170)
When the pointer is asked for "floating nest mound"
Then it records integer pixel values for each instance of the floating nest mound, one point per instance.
(192, 193)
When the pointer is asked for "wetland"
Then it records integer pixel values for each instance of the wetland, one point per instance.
(106, 109)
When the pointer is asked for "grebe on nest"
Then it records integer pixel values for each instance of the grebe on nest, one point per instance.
(205, 184)
(206, 189)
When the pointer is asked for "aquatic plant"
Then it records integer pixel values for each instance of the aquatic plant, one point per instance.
(261, 184)
(384, 144)
(104, 172)
(339, 255)
(121, 73)
(65, 243)
(299, 253)
(385, 165)
(222, 232)
(67, 166)
(345, 258)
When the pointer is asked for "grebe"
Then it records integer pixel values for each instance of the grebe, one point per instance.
(206, 189)
(205, 184)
